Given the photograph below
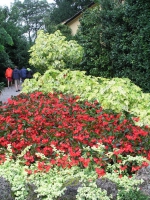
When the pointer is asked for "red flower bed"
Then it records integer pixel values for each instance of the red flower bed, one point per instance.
(69, 125)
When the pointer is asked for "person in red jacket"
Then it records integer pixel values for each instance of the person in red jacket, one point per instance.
(8, 75)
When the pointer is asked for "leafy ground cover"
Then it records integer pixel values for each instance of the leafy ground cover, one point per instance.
(67, 131)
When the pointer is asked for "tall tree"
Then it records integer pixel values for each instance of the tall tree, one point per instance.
(18, 52)
(20, 43)
(4, 36)
(5, 40)
(88, 36)
(14, 45)
(122, 32)
(30, 15)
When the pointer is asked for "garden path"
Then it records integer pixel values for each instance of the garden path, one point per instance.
(7, 93)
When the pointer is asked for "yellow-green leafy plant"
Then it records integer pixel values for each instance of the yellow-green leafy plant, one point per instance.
(52, 184)
(118, 94)
(54, 50)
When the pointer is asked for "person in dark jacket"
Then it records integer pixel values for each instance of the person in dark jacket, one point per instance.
(29, 73)
(23, 73)
(16, 77)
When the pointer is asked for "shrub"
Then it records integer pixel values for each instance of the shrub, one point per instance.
(51, 185)
(117, 94)
(54, 51)
(70, 132)
(2, 85)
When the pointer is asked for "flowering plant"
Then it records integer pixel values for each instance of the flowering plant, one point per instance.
(52, 184)
(118, 94)
(70, 132)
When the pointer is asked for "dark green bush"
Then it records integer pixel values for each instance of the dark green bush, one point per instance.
(116, 41)
(2, 85)
(133, 195)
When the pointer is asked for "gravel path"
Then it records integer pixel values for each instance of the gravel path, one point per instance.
(7, 93)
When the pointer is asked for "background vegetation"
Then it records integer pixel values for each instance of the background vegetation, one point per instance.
(115, 38)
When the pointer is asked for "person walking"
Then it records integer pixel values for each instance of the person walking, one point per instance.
(29, 73)
(16, 77)
(23, 73)
(8, 75)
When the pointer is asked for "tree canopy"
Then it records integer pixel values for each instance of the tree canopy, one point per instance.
(5, 38)
(30, 15)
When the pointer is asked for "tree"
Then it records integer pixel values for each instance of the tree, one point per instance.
(18, 52)
(122, 49)
(65, 30)
(14, 44)
(88, 36)
(30, 15)
(127, 36)
(5, 40)
(4, 36)
(52, 50)
(81, 4)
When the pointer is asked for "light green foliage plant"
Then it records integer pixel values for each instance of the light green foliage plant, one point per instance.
(49, 185)
(118, 94)
(53, 50)
(124, 184)
(15, 173)
(91, 192)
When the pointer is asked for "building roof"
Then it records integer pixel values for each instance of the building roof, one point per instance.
(77, 14)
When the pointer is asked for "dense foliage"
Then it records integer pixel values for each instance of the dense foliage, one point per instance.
(56, 139)
(15, 45)
(19, 26)
(115, 38)
(53, 50)
(88, 36)
(31, 15)
(5, 40)
(118, 44)
(2, 85)
(118, 94)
